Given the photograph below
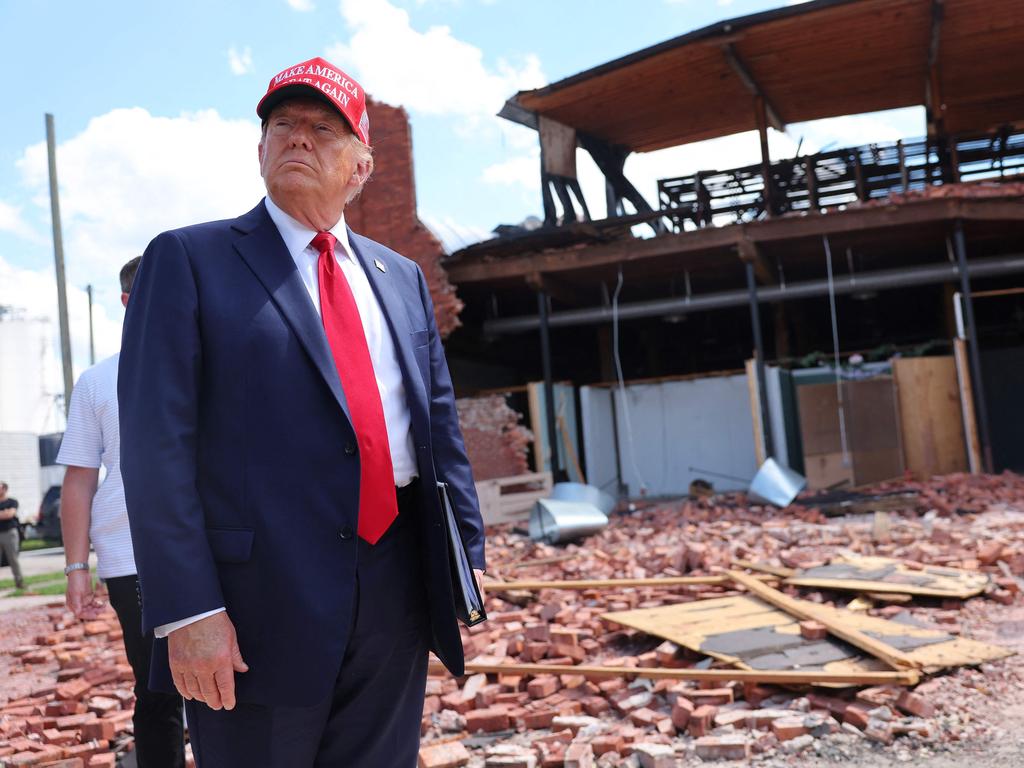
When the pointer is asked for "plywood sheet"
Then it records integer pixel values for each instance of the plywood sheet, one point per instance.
(930, 415)
(751, 634)
(882, 574)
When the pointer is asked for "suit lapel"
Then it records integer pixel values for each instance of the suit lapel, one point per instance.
(383, 284)
(264, 251)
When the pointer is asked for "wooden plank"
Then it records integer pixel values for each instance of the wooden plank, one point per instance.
(930, 415)
(970, 421)
(803, 610)
(791, 677)
(775, 570)
(755, 411)
(953, 583)
(664, 581)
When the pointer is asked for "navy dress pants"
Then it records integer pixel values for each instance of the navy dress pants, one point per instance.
(372, 718)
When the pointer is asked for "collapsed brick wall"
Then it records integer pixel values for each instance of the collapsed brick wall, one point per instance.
(495, 440)
(386, 210)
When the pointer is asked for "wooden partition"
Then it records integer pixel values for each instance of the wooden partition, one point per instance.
(930, 415)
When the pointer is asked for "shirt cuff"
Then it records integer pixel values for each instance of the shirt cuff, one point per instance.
(165, 629)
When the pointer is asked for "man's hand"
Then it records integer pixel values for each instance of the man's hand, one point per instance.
(80, 598)
(204, 657)
(479, 580)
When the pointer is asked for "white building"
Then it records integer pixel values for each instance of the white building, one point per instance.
(31, 398)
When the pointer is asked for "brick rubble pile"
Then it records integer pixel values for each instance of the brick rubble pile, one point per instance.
(543, 721)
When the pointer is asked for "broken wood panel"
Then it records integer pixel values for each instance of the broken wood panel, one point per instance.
(697, 625)
(930, 415)
(882, 574)
(803, 609)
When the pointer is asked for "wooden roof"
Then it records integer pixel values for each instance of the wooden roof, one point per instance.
(815, 60)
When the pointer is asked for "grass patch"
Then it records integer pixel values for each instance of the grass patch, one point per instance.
(48, 588)
(39, 578)
(30, 544)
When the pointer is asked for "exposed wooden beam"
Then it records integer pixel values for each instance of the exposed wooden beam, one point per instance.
(933, 88)
(556, 288)
(610, 160)
(566, 260)
(743, 73)
(724, 239)
(749, 252)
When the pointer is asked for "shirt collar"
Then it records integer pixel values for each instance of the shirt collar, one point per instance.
(297, 237)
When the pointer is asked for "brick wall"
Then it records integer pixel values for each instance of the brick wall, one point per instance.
(386, 210)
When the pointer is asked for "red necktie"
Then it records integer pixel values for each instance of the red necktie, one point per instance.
(378, 505)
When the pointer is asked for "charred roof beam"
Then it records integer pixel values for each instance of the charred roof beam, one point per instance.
(611, 161)
(743, 73)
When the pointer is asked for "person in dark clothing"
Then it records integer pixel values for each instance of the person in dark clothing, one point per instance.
(9, 535)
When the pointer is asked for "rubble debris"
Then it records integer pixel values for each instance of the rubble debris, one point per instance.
(606, 685)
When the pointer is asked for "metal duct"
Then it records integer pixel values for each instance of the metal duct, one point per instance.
(881, 280)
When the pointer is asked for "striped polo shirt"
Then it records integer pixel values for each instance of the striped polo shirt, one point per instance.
(92, 440)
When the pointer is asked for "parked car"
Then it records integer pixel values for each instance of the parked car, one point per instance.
(48, 524)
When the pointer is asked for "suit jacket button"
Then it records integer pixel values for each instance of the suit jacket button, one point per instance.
(350, 449)
(345, 533)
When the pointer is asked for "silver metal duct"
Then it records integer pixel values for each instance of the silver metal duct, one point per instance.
(881, 280)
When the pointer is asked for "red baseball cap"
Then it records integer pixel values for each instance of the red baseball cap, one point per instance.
(323, 80)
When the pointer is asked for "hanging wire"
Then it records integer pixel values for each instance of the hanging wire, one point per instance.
(622, 384)
(844, 444)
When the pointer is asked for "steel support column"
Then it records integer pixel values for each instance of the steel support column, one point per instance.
(755, 322)
(549, 389)
(980, 407)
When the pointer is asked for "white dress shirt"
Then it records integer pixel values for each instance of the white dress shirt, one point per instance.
(397, 418)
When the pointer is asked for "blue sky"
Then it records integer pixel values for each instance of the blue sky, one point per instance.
(154, 106)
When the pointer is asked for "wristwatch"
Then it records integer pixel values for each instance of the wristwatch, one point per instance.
(75, 567)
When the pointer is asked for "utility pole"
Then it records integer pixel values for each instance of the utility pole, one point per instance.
(58, 254)
(92, 345)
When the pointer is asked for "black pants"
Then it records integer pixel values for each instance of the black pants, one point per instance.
(372, 718)
(159, 734)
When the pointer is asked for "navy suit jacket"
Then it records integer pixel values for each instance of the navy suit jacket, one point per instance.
(238, 454)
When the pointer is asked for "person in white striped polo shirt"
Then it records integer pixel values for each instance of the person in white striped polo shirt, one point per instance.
(94, 511)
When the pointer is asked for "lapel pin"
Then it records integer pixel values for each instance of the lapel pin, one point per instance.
(380, 265)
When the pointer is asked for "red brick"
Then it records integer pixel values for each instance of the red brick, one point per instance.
(73, 689)
(108, 760)
(702, 720)
(451, 754)
(579, 755)
(98, 729)
(612, 742)
(722, 748)
(542, 686)
(813, 630)
(682, 710)
(487, 720)
(787, 728)
(857, 715)
(915, 704)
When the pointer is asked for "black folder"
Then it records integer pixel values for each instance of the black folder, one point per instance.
(469, 603)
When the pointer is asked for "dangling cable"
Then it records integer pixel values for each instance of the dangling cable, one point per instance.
(835, 351)
(622, 384)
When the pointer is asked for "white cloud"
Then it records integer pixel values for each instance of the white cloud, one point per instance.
(12, 221)
(301, 5)
(240, 62)
(131, 175)
(430, 72)
(522, 170)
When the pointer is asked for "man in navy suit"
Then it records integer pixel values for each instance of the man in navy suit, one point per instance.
(286, 411)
